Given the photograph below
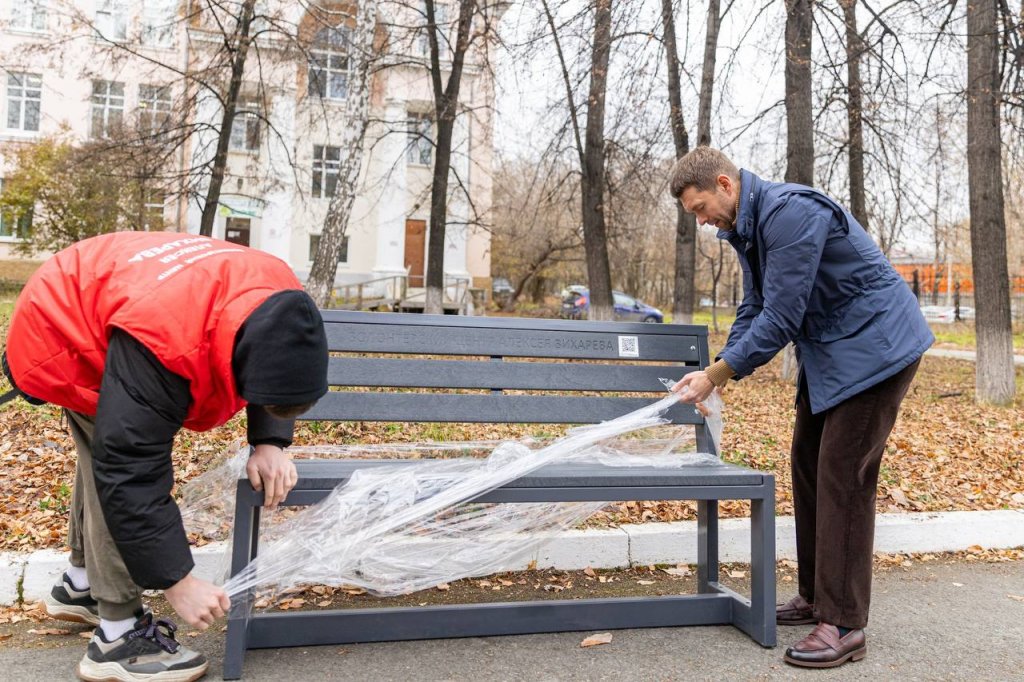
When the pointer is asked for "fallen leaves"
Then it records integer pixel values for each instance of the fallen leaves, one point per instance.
(596, 640)
(48, 631)
(1016, 597)
(933, 462)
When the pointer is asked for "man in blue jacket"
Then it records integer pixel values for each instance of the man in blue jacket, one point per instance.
(813, 276)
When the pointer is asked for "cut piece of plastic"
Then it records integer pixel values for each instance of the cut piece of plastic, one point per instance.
(397, 529)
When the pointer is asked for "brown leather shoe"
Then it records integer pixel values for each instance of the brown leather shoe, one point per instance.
(824, 648)
(795, 612)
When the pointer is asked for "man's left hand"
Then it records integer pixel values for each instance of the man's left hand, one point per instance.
(273, 472)
(695, 387)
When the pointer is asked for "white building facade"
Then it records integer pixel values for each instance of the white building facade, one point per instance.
(61, 79)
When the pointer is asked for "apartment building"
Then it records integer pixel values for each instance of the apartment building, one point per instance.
(88, 69)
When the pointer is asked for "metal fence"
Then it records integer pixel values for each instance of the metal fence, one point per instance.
(960, 297)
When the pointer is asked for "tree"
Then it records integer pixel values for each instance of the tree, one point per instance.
(65, 193)
(355, 121)
(799, 119)
(446, 108)
(536, 232)
(686, 223)
(236, 50)
(994, 373)
(594, 229)
(854, 110)
(799, 109)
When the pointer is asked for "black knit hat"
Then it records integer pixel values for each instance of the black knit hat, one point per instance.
(280, 355)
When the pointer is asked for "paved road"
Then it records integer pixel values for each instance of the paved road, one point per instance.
(934, 621)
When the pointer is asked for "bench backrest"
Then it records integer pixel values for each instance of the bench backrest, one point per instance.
(504, 370)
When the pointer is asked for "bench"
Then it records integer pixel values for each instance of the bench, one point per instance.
(489, 355)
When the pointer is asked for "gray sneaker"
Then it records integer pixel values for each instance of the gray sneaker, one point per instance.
(147, 652)
(66, 603)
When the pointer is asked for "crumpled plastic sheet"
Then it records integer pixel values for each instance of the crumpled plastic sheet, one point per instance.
(394, 530)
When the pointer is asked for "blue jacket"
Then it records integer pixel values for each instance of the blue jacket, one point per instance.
(813, 276)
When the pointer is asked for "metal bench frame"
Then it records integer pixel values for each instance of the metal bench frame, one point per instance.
(661, 350)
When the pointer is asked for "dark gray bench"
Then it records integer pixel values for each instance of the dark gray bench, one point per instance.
(491, 351)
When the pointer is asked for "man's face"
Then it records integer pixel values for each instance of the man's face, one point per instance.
(716, 206)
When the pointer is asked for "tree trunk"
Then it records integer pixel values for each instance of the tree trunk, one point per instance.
(356, 116)
(446, 106)
(686, 224)
(594, 232)
(239, 51)
(994, 371)
(799, 119)
(707, 79)
(855, 112)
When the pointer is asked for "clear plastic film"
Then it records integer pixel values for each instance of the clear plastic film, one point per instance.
(397, 529)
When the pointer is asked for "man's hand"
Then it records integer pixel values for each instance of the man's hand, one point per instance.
(198, 602)
(271, 471)
(695, 387)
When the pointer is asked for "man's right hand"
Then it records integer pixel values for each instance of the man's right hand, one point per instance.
(197, 601)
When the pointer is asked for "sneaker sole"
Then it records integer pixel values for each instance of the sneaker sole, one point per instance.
(855, 655)
(91, 671)
(68, 612)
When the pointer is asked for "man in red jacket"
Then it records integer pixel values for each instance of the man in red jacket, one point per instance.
(137, 335)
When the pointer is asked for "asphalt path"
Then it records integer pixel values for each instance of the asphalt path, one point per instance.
(951, 620)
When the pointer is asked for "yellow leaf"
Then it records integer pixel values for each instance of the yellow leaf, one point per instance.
(595, 640)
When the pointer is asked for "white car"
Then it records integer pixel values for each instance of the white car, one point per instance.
(944, 314)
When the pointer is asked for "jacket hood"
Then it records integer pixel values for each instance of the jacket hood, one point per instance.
(280, 355)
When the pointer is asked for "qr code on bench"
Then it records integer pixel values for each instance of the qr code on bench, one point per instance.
(629, 347)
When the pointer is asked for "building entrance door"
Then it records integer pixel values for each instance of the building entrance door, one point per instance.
(415, 242)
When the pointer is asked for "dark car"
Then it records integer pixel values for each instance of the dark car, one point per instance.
(576, 305)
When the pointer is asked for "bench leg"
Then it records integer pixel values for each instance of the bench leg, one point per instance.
(762, 566)
(707, 545)
(244, 547)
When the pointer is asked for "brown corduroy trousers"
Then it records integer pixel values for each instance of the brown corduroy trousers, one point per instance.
(835, 459)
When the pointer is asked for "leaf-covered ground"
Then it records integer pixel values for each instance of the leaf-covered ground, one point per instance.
(946, 452)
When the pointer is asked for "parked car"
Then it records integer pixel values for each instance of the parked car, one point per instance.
(945, 314)
(576, 305)
(501, 290)
(501, 287)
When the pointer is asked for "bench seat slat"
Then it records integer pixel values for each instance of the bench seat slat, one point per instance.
(536, 343)
(562, 376)
(327, 474)
(483, 408)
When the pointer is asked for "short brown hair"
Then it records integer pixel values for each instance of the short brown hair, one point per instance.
(700, 168)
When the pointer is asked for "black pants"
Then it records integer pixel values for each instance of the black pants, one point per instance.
(835, 458)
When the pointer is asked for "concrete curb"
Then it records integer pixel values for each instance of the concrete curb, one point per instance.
(32, 574)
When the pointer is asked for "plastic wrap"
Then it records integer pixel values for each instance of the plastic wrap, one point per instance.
(396, 529)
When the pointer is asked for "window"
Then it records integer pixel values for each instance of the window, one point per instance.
(154, 108)
(158, 19)
(623, 300)
(28, 15)
(112, 19)
(443, 29)
(330, 65)
(314, 245)
(421, 139)
(107, 108)
(14, 224)
(245, 129)
(24, 98)
(236, 230)
(326, 161)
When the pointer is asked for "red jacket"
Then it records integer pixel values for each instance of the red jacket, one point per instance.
(183, 296)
